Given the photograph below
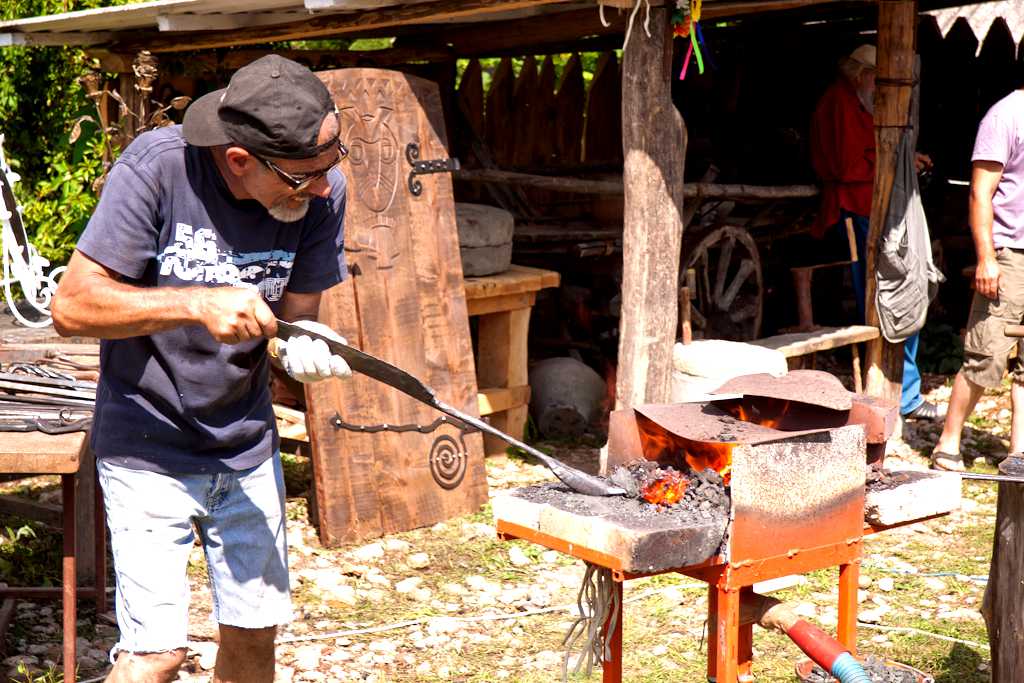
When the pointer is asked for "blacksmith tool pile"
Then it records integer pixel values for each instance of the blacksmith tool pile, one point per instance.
(37, 397)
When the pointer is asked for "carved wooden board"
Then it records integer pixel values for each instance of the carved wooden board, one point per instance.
(403, 302)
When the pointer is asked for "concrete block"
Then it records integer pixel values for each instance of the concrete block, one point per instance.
(922, 495)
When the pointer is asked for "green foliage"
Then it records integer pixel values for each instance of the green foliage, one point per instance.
(39, 98)
(27, 675)
(29, 558)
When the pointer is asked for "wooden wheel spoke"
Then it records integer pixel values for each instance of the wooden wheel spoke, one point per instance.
(698, 319)
(705, 279)
(724, 261)
(721, 285)
(745, 271)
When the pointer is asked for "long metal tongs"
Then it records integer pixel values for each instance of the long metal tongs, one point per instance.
(383, 371)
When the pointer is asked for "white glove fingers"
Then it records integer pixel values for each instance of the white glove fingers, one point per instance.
(339, 368)
(310, 360)
(320, 357)
(307, 356)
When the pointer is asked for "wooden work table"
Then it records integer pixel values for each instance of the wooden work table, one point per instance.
(67, 455)
(502, 304)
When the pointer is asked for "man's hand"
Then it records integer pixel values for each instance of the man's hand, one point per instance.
(986, 278)
(922, 162)
(234, 314)
(309, 360)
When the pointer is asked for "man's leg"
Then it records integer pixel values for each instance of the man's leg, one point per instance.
(961, 403)
(986, 349)
(155, 667)
(910, 396)
(150, 537)
(246, 553)
(246, 655)
(912, 403)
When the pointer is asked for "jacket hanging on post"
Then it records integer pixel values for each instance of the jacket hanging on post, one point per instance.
(907, 278)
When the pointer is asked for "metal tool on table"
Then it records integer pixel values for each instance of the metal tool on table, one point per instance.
(383, 371)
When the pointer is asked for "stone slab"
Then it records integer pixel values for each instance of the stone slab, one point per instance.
(640, 537)
(924, 494)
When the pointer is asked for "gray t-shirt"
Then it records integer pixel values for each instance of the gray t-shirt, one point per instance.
(1001, 139)
(180, 401)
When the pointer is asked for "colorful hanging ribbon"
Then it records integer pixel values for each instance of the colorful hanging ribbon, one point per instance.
(690, 27)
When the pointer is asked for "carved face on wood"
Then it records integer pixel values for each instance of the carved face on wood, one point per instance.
(373, 156)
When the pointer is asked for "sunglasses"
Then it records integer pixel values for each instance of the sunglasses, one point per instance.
(301, 181)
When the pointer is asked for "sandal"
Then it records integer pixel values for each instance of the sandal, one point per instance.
(951, 462)
(927, 411)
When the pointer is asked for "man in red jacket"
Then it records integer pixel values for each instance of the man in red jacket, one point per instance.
(843, 156)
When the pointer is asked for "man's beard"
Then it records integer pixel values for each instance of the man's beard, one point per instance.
(867, 99)
(288, 212)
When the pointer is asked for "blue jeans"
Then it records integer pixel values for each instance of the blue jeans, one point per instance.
(151, 516)
(910, 397)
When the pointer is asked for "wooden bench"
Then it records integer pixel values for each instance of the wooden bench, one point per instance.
(34, 453)
(797, 344)
(502, 304)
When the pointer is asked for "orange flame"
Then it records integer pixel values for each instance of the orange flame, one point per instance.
(661, 446)
(701, 455)
(668, 490)
(767, 413)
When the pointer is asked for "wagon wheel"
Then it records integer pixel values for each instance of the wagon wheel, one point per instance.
(730, 289)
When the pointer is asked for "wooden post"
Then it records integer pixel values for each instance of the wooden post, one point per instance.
(86, 496)
(897, 34)
(654, 146)
(1003, 606)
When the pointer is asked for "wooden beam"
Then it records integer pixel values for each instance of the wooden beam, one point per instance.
(26, 508)
(41, 39)
(516, 34)
(349, 4)
(562, 184)
(219, 22)
(331, 24)
(209, 63)
(38, 453)
(497, 304)
(797, 344)
(491, 401)
(897, 32)
(615, 187)
(654, 146)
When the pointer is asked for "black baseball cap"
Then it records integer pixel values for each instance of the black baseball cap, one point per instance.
(273, 107)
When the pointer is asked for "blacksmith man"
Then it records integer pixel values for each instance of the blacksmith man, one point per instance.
(205, 234)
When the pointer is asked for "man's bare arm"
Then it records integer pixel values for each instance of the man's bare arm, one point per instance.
(92, 301)
(985, 176)
(297, 306)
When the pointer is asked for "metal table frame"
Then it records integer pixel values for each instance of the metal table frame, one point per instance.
(730, 642)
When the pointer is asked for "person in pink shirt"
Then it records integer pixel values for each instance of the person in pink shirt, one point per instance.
(997, 225)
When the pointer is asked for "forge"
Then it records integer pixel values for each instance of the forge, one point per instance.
(772, 476)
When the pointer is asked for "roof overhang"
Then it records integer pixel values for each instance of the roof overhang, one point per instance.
(180, 25)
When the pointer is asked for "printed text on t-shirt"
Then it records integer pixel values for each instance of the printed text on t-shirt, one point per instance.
(194, 256)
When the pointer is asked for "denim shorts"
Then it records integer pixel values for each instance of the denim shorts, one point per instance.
(240, 519)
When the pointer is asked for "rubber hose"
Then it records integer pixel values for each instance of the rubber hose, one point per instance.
(827, 652)
(848, 670)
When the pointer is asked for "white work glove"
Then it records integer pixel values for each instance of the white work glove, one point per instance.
(309, 360)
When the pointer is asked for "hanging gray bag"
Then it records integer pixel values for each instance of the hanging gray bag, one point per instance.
(907, 278)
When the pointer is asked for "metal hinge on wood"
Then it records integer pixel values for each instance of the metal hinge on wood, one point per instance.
(412, 154)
